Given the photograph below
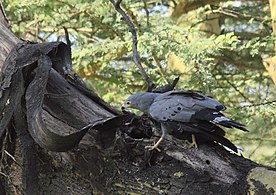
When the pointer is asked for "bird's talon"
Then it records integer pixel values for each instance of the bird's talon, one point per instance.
(152, 148)
(155, 146)
(193, 143)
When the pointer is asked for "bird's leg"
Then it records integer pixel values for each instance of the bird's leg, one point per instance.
(155, 146)
(193, 143)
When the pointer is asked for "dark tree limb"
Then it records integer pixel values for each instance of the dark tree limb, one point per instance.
(34, 101)
(7, 39)
(167, 87)
(30, 180)
(46, 63)
(136, 55)
(68, 42)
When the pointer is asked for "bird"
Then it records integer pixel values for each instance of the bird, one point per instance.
(185, 111)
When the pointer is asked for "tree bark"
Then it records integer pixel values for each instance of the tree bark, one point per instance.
(69, 141)
(7, 39)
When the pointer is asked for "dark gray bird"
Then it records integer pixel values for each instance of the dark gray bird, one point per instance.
(185, 111)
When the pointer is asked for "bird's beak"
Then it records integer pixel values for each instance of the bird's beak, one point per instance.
(124, 106)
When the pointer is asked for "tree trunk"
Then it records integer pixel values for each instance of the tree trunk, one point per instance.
(58, 137)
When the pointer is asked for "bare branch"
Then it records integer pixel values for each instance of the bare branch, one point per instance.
(146, 10)
(167, 87)
(136, 55)
(236, 89)
(159, 67)
(235, 14)
(68, 43)
(270, 103)
(186, 6)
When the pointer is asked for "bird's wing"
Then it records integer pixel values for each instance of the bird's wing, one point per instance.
(190, 106)
(182, 105)
(206, 100)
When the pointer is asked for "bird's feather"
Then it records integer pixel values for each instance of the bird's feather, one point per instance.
(181, 105)
(187, 111)
(204, 132)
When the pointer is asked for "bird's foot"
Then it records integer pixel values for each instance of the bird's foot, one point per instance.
(193, 143)
(155, 146)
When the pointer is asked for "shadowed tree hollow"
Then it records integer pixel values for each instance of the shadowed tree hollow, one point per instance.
(59, 137)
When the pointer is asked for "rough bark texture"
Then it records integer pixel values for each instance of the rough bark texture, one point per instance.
(7, 39)
(45, 108)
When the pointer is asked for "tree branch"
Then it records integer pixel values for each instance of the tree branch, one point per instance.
(30, 178)
(136, 55)
(270, 103)
(186, 6)
(236, 89)
(235, 14)
(7, 39)
(146, 10)
(155, 58)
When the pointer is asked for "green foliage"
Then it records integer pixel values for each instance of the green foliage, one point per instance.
(228, 65)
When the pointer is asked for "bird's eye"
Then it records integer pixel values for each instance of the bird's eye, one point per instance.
(128, 102)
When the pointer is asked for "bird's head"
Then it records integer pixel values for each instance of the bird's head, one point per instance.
(140, 101)
(133, 100)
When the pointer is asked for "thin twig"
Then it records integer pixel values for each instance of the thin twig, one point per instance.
(235, 88)
(103, 25)
(10, 156)
(159, 66)
(147, 11)
(136, 56)
(37, 37)
(255, 149)
(1, 173)
(235, 14)
(259, 104)
(248, 139)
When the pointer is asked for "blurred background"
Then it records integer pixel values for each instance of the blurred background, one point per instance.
(223, 48)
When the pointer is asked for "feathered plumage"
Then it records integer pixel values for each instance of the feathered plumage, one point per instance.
(186, 111)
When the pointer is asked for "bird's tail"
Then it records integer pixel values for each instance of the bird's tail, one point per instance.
(215, 133)
(227, 122)
(204, 132)
(218, 118)
(224, 141)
